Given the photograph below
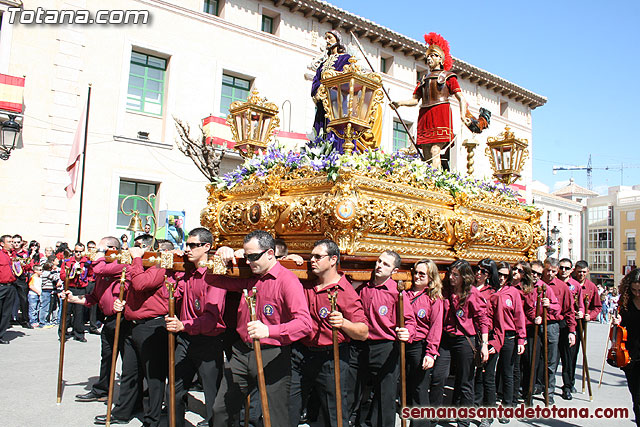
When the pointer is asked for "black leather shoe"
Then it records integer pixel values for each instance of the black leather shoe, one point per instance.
(537, 390)
(573, 390)
(27, 325)
(81, 339)
(566, 395)
(551, 400)
(90, 397)
(94, 331)
(4, 341)
(203, 423)
(102, 420)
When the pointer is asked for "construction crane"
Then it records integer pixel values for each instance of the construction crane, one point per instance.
(589, 168)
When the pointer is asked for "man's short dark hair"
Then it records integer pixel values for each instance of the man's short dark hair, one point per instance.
(330, 246)
(91, 242)
(17, 236)
(265, 240)
(146, 240)
(165, 245)
(552, 262)
(202, 234)
(5, 237)
(281, 248)
(538, 263)
(582, 264)
(566, 260)
(79, 244)
(397, 261)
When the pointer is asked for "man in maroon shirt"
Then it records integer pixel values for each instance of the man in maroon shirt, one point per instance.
(375, 361)
(7, 290)
(20, 284)
(199, 326)
(146, 305)
(78, 281)
(283, 317)
(566, 318)
(569, 354)
(312, 356)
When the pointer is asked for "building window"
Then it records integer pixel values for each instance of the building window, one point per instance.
(400, 136)
(600, 215)
(601, 261)
(630, 244)
(128, 188)
(504, 108)
(420, 74)
(233, 89)
(570, 219)
(631, 216)
(211, 7)
(600, 238)
(267, 24)
(146, 83)
(559, 216)
(570, 248)
(383, 65)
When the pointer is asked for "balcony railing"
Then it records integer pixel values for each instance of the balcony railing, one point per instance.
(629, 246)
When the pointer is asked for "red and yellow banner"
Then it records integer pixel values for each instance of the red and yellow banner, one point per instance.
(11, 93)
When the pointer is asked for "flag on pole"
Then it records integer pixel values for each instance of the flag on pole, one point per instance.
(11, 93)
(73, 164)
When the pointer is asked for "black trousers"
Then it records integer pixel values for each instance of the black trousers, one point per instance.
(22, 292)
(92, 311)
(553, 335)
(485, 383)
(455, 348)
(525, 359)
(313, 368)
(241, 378)
(508, 359)
(568, 357)
(7, 297)
(632, 372)
(150, 344)
(377, 376)
(418, 379)
(75, 315)
(197, 354)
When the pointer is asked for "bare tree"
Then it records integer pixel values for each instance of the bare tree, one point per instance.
(206, 157)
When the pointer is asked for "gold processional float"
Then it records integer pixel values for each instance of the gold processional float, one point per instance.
(367, 202)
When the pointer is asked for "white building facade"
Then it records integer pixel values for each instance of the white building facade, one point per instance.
(565, 216)
(191, 60)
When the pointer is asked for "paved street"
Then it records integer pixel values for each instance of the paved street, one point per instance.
(29, 374)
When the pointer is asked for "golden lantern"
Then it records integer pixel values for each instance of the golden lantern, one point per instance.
(252, 123)
(350, 99)
(507, 155)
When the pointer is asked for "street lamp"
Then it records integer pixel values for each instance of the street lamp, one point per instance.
(9, 136)
(350, 98)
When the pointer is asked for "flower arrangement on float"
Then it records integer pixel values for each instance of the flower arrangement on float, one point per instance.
(320, 156)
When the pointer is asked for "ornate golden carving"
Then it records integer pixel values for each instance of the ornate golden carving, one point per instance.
(366, 215)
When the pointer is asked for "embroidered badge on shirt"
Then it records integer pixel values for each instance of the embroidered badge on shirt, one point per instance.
(324, 312)
(421, 313)
(383, 310)
(460, 312)
(197, 304)
(508, 303)
(268, 309)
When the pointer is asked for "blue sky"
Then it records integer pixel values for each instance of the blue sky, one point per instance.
(584, 56)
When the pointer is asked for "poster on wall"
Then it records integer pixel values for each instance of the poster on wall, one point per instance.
(172, 227)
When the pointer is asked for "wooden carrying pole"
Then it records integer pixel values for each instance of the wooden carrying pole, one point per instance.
(114, 353)
(546, 349)
(606, 347)
(262, 386)
(333, 298)
(63, 335)
(172, 358)
(403, 359)
(534, 353)
(582, 325)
